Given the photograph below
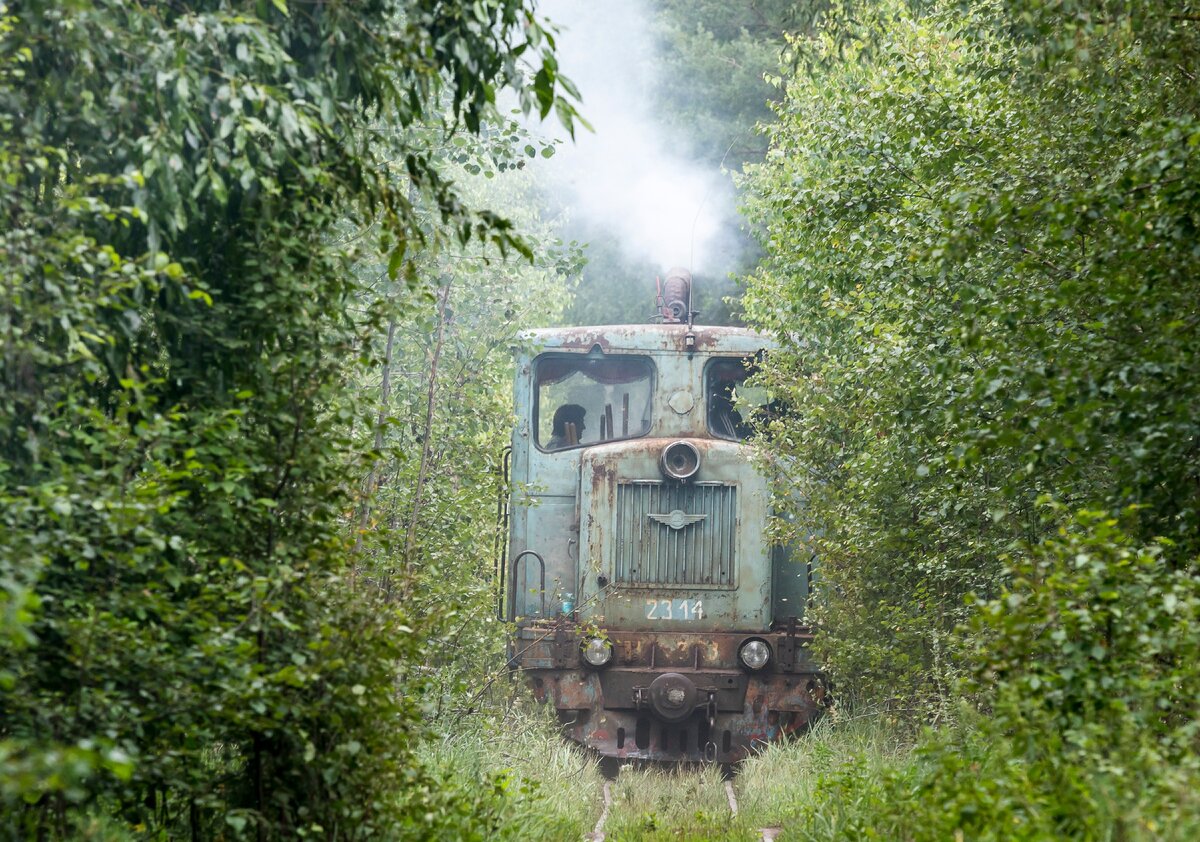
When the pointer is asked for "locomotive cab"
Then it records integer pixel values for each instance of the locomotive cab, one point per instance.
(649, 608)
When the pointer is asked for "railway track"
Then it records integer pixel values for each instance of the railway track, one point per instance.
(597, 834)
(769, 834)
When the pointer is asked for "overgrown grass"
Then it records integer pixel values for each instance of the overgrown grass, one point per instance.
(524, 780)
(659, 803)
(851, 778)
(526, 783)
(864, 779)
(782, 785)
(779, 787)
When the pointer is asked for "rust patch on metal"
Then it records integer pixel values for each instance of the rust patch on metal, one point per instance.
(609, 710)
(650, 337)
(585, 339)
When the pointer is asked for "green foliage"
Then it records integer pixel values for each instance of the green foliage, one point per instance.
(973, 782)
(981, 260)
(1095, 645)
(445, 417)
(714, 56)
(536, 785)
(1086, 665)
(177, 648)
(981, 226)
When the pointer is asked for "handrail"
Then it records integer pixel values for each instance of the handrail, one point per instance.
(512, 600)
(500, 542)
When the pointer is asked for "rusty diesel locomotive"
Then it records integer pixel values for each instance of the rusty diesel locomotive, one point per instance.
(649, 608)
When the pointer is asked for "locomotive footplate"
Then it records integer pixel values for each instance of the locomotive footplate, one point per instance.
(674, 696)
(774, 707)
(631, 689)
(556, 646)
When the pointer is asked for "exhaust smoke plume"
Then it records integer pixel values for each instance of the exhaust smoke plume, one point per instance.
(630, 180)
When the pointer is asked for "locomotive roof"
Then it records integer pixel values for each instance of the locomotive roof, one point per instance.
(648, 337)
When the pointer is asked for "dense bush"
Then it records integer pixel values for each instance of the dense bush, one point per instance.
(430, 531)
(1087, 664)
(1095, 642)
(980, 229)
(179, 650)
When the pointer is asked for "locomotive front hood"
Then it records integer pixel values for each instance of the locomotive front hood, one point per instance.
(663, 553)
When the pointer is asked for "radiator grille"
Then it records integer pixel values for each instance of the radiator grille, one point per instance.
(696, 547)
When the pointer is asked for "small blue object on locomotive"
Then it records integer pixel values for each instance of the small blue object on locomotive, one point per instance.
(649, 607)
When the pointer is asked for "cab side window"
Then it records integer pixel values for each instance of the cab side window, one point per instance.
(588, 400)
(732, 403)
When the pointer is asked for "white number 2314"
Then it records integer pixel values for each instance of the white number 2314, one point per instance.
(674, 609)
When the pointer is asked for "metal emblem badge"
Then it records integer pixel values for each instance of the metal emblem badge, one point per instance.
(676, 519)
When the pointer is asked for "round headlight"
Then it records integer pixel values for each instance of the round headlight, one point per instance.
(597, 651)
(680, 460)
(755, 654)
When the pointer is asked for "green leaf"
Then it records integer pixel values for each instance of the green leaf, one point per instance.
(237, 822)
(396, 259)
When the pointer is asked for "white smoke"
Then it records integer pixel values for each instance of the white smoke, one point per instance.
(628, 177)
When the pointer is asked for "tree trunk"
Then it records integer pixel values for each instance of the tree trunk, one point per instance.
(371, 485)
(427, 439)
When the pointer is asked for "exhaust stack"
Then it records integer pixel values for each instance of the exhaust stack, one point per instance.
(674, 302)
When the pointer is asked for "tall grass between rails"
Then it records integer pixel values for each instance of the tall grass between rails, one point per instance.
(662, 803)
(516, 778)
(851, 778)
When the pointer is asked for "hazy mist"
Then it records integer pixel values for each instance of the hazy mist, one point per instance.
(630, 182)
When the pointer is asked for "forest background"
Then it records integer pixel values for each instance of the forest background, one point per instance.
(264, 262)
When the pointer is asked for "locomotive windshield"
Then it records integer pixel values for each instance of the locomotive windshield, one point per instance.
(729, 397)
(587, 400)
